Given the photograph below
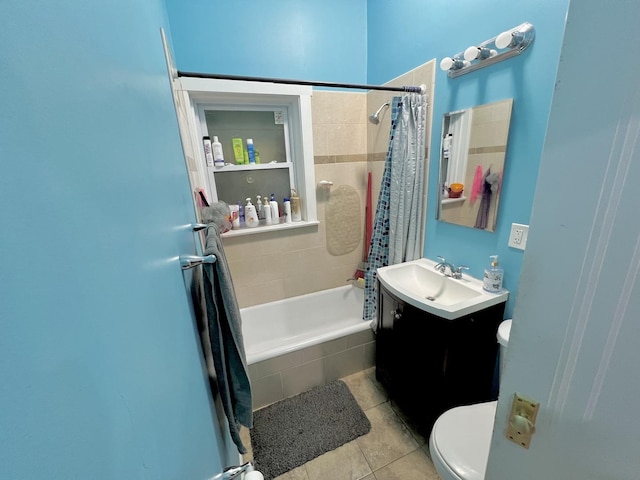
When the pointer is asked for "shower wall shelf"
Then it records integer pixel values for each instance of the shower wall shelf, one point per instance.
(453, 200)
(229, 167)
(268, 228)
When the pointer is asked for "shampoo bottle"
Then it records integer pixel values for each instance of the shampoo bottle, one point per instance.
(238, 150)
(241, 213)
(287, 210)
(493, 275)
(250, 215)
(208, 155)
(250, 151)
(275, 212)
(266, 213)
(266, 206)
(216, 148)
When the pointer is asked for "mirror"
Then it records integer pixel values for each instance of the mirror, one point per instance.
(472, 156)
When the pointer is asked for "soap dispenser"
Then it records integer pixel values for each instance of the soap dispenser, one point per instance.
(493, 276)
(250, 215)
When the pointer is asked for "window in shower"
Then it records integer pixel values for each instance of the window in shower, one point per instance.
(277, 118)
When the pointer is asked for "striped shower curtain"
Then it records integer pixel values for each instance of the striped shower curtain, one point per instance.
(397, 228)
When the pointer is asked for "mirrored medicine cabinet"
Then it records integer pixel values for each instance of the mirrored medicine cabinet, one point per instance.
(472, 160)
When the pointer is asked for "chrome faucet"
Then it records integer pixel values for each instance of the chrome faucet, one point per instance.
(454, 272)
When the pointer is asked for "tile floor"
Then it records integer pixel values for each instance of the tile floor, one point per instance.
(392, 450)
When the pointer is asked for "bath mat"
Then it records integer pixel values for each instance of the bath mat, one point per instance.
(293, 431)
(342, 218)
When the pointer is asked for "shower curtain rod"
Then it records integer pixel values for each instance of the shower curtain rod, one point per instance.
(217, 76)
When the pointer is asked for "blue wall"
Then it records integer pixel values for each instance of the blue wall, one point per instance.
(374, 42)
(306, 40)
(399, 41)
(101, 374)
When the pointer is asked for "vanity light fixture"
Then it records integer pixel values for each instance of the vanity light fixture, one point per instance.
(506, 45)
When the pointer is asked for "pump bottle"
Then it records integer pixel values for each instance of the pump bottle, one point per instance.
(250, 215)
(493, 276)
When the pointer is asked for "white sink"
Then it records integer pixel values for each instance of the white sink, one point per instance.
(419, 284)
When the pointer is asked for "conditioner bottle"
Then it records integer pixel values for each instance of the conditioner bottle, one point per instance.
(216, 149)
(250, 215)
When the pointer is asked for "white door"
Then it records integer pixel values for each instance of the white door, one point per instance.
(575, 343)
(101, 374)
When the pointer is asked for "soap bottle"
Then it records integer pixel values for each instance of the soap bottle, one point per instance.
(250, 215)
(493, 276)
(250, 151)
(216, 149)
(259, 207)
(275, 212)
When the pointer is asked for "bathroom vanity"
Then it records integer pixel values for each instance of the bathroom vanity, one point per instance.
(430, 364)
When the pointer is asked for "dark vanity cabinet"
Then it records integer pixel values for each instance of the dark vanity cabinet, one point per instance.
(430, 364)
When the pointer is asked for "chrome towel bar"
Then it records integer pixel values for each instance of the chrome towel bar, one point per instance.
(190, 261)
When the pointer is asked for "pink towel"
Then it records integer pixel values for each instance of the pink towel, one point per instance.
(476, 189)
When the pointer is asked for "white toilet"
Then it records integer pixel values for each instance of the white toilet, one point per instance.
(460, 438)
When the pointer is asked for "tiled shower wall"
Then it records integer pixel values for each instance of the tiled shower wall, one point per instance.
(272, 266)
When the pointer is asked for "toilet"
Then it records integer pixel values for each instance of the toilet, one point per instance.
(460, 438)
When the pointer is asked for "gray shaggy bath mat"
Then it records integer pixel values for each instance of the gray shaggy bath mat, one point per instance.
(293, 431)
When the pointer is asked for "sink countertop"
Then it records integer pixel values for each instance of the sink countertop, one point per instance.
(419, 284)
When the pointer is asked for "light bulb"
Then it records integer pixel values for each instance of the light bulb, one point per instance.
(504, 39)
(446, 63)
(471, 53)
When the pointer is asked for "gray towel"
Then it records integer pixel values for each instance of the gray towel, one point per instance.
(225, 335)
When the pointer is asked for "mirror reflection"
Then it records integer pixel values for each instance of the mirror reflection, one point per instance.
(474, 145)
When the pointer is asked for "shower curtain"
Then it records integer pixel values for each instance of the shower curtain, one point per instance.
(397, 228)
(460, 128)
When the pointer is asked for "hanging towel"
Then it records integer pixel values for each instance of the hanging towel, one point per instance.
(225, 336)
(478, 181)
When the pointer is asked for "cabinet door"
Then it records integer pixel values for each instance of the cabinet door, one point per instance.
(472, 357)
(387, 361)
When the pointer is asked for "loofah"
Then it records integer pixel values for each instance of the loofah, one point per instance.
(218, 213)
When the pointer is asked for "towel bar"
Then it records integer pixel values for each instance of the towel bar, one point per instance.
(196, 227)
(190, 261)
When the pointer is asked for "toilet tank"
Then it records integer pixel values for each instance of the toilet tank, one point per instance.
(504, 329)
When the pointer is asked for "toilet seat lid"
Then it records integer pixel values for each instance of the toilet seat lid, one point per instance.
(462, 436)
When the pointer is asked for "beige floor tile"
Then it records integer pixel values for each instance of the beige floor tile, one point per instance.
(344, 463)
(414, 466)
(299, 473)
(388, 440)
(418, 433)
(364, 390)
(369, 477)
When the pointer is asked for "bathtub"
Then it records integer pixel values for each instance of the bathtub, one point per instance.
(294, 344)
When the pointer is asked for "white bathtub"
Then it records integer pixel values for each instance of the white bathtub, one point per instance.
(277, 328)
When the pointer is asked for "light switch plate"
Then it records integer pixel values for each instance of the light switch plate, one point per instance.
(518, 236)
